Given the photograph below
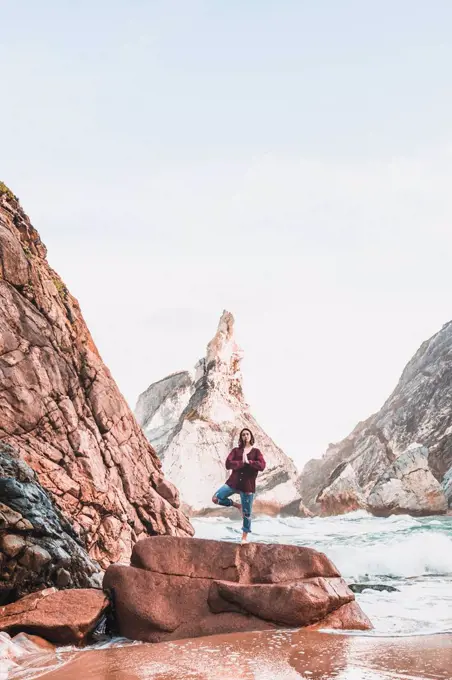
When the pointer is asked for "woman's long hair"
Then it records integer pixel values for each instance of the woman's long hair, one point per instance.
(241, 442)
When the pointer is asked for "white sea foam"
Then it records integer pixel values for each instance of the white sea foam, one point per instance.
(404, 557)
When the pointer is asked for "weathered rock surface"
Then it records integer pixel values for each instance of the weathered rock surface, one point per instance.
(418, 411)
(295, 509)
(194, 422)
(61, 409)
(38, 546)
(447, 485)
(178, 588)
(348, 617)
(342, 494)
(63, 617)
(159, 408)
(408, 486)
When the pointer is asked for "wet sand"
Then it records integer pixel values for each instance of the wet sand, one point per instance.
(282, 655)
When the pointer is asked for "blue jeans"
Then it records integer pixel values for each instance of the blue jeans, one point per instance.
(246, 499)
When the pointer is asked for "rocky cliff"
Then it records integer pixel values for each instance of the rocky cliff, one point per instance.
(419, 411)
(194, 421)
(61, 409)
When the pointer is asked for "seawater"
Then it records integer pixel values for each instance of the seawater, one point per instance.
(411, 554)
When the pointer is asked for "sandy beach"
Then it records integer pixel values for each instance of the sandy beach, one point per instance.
(283, 655)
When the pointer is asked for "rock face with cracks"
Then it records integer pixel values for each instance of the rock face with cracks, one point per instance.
(419, 411)
(342, 494)
(194, 422)
(408, 487)
(38, 547)
(178, 588)
(61, 409)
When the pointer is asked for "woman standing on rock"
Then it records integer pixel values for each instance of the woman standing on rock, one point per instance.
(245, 461)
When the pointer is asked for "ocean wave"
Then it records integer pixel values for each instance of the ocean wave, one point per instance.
(414, 554)
(306, 531)
(358, 524)
(425, 553)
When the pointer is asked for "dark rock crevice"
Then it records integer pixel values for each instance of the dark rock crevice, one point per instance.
(39, 546)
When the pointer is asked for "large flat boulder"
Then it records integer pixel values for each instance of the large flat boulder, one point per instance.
(222, 560)
(186, 587)
(59, 616)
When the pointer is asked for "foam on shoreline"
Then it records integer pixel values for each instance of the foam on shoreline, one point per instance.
(279, 655)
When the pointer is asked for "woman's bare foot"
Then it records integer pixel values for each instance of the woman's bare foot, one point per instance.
(244, 538)
(236, 505)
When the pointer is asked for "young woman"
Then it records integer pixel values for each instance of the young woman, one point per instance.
(245, 461)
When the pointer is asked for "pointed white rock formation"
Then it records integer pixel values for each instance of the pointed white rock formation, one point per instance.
(193, 423)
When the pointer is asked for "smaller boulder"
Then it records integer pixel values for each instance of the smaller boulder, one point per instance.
(408, 487)
(348, 617)
(59, 616)
(381, 587)
(289, 604)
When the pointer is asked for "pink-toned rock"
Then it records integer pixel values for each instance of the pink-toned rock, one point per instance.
(63, 617)
(348, 617)
(293, 604)
(221, 560)
(168, 491)
(61, 409)
(155, 607)
(186, 587)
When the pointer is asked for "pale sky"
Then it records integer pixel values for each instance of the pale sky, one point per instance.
(290, 161)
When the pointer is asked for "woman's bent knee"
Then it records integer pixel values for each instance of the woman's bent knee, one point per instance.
(215, 500)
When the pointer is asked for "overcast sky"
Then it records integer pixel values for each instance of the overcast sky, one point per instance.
(290, 161)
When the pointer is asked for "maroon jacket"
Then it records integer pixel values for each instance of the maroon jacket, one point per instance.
(243, 476)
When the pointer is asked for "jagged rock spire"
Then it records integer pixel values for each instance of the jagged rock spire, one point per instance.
(194, 429)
